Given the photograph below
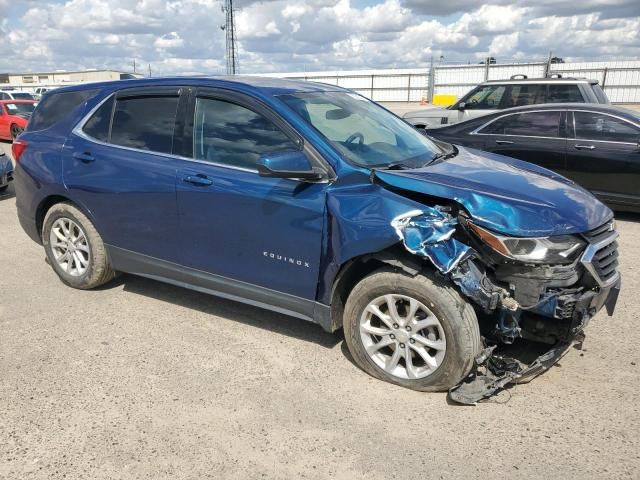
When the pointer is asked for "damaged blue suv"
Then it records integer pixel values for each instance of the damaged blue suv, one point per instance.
(315, 202)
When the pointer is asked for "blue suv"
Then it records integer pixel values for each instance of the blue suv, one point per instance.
(315, 202)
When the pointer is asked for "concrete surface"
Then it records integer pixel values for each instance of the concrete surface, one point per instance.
(145, 380)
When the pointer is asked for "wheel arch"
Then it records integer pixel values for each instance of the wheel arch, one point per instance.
(45, 205)
(355, 269)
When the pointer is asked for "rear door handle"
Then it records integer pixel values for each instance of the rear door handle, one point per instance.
(84, 157)
(199, 180)
(504, 142)
(584, 147)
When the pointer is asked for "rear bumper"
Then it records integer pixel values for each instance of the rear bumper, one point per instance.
(28, 224)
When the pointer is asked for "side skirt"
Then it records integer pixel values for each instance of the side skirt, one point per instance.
(138, 264)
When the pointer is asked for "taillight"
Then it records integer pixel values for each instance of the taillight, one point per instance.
(18, 149)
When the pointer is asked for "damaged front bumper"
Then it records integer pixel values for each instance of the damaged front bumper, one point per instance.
(494, 371)
(548, 304)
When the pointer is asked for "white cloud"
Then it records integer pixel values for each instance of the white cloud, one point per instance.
(184, 36)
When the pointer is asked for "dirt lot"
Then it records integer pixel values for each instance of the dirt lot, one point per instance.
(145, 380)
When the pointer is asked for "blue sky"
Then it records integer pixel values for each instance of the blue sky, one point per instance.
(183, 36)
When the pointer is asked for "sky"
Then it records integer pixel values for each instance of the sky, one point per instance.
(184, 36)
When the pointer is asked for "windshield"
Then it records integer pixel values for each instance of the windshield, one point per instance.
(362, 131)
(22, 96)
(15, 108)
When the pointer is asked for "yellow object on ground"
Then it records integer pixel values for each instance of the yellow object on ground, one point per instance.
(444, 100)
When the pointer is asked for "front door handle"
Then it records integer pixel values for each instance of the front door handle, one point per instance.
(584, 147)
(84, 157)
(199, 180)
(504, 142)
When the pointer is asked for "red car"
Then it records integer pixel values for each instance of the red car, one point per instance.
(14, 116)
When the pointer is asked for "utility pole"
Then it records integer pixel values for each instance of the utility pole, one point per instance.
(134, 65)
(230, 30)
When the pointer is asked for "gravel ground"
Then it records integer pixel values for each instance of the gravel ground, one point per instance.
(146, 380)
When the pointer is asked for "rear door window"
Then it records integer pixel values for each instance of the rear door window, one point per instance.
(562, 93)
(598, 126)
(533, 124)
(145, 122)
(524, 94)
(229, 134)
(55, 107)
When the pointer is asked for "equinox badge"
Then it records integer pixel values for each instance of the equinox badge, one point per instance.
(284, 258)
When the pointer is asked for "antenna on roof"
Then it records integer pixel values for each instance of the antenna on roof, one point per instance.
(229, 28)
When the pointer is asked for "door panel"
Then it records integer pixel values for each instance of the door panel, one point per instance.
(259, 230)
(235, 223)
(536, 137)
(548, 152)
(4, 123)
(611, 169)
(129, 192)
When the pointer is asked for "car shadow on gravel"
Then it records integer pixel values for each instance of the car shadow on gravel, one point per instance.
(228, 309)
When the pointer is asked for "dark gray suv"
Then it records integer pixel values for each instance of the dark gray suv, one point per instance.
(494, 95)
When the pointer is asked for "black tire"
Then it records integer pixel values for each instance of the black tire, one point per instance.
(15, 131)
(98, 271)
(3, 188)
(457, 317)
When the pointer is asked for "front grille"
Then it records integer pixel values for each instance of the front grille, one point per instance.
(601, 232)
(601, 256)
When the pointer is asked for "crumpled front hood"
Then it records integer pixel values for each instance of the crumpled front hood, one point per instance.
(506, 195)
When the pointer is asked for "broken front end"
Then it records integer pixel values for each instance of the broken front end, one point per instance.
(542, 289)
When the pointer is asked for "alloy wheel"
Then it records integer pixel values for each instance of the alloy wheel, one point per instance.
(402, 336)
(70, 247)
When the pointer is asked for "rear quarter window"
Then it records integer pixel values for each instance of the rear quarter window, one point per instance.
(55, 107)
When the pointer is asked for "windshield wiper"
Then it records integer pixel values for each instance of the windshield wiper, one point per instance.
(395, 166)
(441, 156)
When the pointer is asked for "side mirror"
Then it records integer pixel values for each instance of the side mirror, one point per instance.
(290, 164)
(462, 106)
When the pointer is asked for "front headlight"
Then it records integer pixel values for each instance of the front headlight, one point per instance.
(558, 249)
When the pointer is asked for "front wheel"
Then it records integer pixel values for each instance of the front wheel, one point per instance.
(416, 332)
(74, 248)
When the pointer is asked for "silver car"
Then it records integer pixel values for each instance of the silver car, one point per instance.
(488, 97)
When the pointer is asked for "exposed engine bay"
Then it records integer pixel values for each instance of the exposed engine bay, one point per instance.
(543, 290)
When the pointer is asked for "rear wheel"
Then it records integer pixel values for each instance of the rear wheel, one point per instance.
(15, 131)
(416, 332)
(74, 248)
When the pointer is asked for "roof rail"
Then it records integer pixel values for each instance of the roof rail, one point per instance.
(521, 75)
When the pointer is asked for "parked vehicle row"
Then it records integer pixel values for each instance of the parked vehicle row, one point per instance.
(14, 116)
(494, 95)
(12, 94)
(597, 146)
(313, 201)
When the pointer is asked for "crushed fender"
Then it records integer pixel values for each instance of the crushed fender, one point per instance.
(495, 372)
(429, 233)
